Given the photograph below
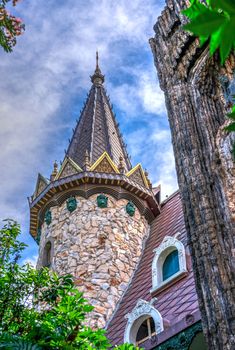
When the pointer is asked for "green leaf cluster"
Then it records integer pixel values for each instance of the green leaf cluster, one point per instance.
(9, 30)
(39, 309)
(127, 347)
(231, 127)
(214, 22)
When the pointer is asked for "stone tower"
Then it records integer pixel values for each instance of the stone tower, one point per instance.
(91, 218)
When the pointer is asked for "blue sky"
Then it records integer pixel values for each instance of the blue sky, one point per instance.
(45, 80)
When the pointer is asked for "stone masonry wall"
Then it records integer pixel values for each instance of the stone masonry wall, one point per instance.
(100, 247)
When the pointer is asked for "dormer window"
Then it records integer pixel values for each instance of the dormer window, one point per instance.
(171, 265)
(169, 262)
(144, 321)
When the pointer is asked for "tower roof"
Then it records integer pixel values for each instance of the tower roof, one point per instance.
(97, 130)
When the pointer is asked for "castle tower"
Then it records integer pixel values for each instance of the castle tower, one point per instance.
(91, 218)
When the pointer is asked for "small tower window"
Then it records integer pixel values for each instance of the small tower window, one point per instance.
(47, 256)
(169, 262)
(146, 331)
(170, 265)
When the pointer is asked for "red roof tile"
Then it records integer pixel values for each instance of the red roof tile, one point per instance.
(174, 302)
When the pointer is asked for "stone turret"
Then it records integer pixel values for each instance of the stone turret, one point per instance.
(91, 219)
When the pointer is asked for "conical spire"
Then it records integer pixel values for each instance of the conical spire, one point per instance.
(97, 130)
(55, 171)
(97, 78)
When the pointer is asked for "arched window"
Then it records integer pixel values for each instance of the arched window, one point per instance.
(169, 262)
(143, 322)
(145, 331)
(170, 265)
(47, 255)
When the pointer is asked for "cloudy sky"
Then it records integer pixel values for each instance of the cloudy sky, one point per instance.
(45, 80)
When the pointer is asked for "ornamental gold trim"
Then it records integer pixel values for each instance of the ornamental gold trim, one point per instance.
(68, 160)
(41, 184)
(135, 169)
(109, 160)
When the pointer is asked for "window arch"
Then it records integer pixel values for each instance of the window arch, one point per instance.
(47, 255)
(169, 262)
(143, 322)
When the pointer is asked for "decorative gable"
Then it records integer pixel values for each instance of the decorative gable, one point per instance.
(104, 164)
(137, 174)
(41, 185)
(68, 168)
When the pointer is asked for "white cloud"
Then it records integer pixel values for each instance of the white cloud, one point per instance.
(142, 91)
(30, 260)
(150, 92)
(50, 65)
(152, 146)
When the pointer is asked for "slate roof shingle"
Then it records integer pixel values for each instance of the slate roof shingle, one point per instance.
(175, 302)
(97, 130)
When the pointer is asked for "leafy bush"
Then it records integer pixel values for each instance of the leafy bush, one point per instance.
(38, 308)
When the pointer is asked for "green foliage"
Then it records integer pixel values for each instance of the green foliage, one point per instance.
(9, 342)
(10, 26)
(231, 115)
(214, 22)
(127, 347)
(38, 309)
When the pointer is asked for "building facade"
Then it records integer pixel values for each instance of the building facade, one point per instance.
(99, 219)
(91, 218)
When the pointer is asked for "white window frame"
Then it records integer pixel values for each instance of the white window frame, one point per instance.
(168, 245)
(137, 316)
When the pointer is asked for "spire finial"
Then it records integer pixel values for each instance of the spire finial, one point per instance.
(121, 165)
(55, 166)
(86, 164)
(55, 171)
(97, 60)
(97, 78)
(147, 178)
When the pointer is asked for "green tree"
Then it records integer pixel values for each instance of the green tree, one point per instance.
(38, 308)
(10, 26)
